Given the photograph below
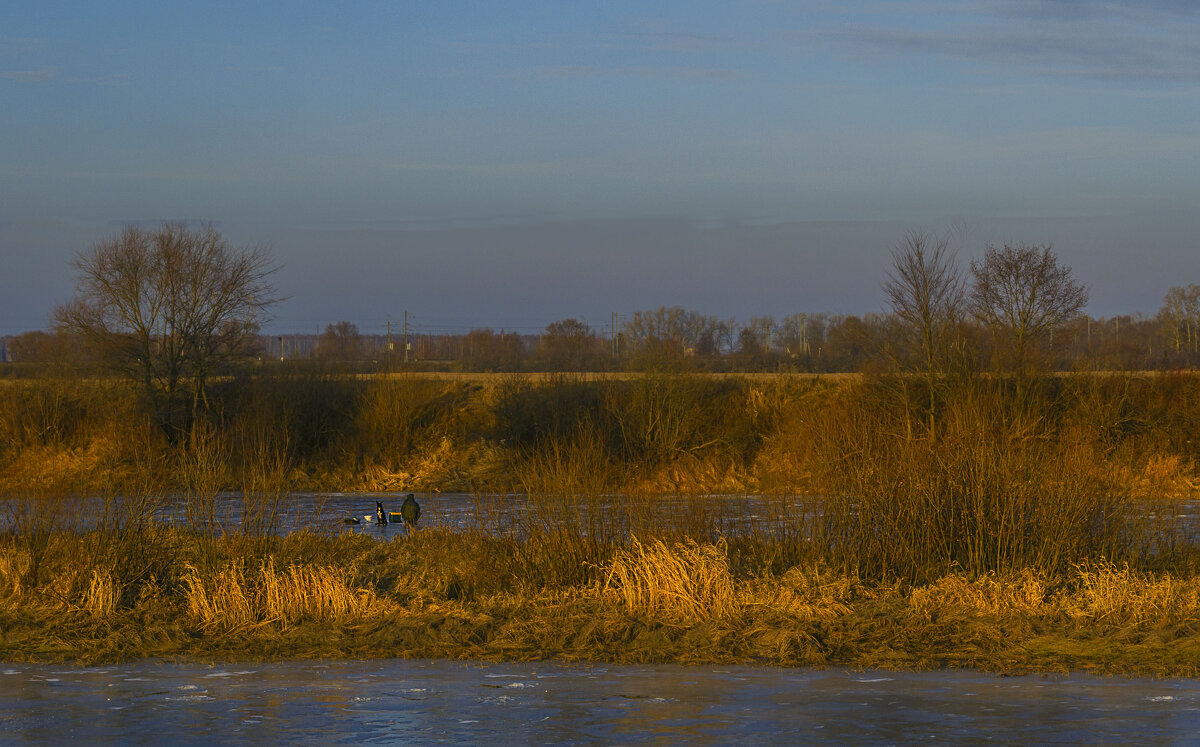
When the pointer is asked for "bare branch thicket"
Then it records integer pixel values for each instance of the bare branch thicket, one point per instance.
(760, 336)
(926, 293)
(666, 333)
(1022, 295)
(167, 308)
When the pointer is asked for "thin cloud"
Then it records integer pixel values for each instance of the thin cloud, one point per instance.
(1109, 41)
(119, 79)
(672, 41)
(191, 223)
(1073, 10)
(592, 71)
(41, 75)
(14, 46)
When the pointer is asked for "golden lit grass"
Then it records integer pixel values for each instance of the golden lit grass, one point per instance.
(1163, 476)
(579, 465)
(1094, 593)
(447, 594)
(14, 568)
(806, 594)
(223, 599)
(988, 595)
(230, 598)
(681, 583)
(1108, 593)
(96, 591)
(102, 594)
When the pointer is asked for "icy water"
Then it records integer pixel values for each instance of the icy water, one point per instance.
(716, 515)
(398, 701)
(498, 514)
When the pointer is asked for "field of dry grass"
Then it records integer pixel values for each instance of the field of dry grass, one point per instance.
(466, 596)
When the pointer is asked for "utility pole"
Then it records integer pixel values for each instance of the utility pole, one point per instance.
(388, 354)
(616, 344)
(406, 345)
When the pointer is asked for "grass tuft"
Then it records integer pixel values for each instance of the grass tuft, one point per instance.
(681, 583)
(230, 598)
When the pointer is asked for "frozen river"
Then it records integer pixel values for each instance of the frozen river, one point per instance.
(399, 701)
(711, 516)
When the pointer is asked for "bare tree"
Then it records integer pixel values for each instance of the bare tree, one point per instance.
(925, 291)
(167, 307)
(670, 334)
(569, 345)
(1181, 314)
(1022, 295)
(758, 337)
(340, 342)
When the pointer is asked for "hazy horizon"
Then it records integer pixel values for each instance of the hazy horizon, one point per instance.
(509, 165)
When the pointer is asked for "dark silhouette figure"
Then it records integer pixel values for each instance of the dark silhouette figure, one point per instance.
(380, 514)
(410, 510)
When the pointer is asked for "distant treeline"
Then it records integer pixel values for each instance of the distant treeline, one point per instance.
(681, 339)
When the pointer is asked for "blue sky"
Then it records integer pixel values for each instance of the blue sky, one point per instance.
(510, 164)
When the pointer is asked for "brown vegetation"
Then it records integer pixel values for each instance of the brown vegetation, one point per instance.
(476, 595)
(653, 433)
(1010, 532)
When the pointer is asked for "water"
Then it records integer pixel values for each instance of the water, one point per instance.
(399, 701)
(496, 514)
(717, 515)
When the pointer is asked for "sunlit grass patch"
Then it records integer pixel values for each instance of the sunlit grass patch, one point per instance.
(1023, 593)
(682, 583)
(230, 597)
(223, 599)
(102, 594)
(1108, 592)
(806, 594)
(14, 570)
(317, 593)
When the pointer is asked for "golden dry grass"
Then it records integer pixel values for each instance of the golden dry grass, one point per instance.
(102, 594)
(681, 583)
(221, 599)
(455, 594)
(1019, 593)
(231, 598)
(14, 568)
(805, 594)
(1118, 594)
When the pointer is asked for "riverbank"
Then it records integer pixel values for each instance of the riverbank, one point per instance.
(647, 434)
(93, 599)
